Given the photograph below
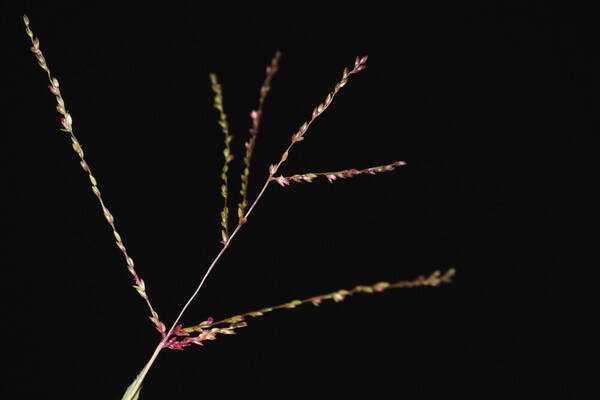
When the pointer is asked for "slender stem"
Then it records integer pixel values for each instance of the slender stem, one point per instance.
(160, 346)
(256, 117)
(225, 246)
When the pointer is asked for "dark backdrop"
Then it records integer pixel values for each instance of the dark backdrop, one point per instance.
(490, 105)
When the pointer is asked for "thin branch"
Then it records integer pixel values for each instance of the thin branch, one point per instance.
(332, 176)
(214, 262)
(238, 321)
(359, 65)
(218, 104)
(256, 117)
(67, 126)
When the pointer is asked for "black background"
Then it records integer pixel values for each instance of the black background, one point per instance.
(489, 103)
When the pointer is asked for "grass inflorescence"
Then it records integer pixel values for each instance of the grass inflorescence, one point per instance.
(178, 337)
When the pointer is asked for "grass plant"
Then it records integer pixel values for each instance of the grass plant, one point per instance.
(177, 336)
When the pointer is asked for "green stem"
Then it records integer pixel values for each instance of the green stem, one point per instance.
(132, 392)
